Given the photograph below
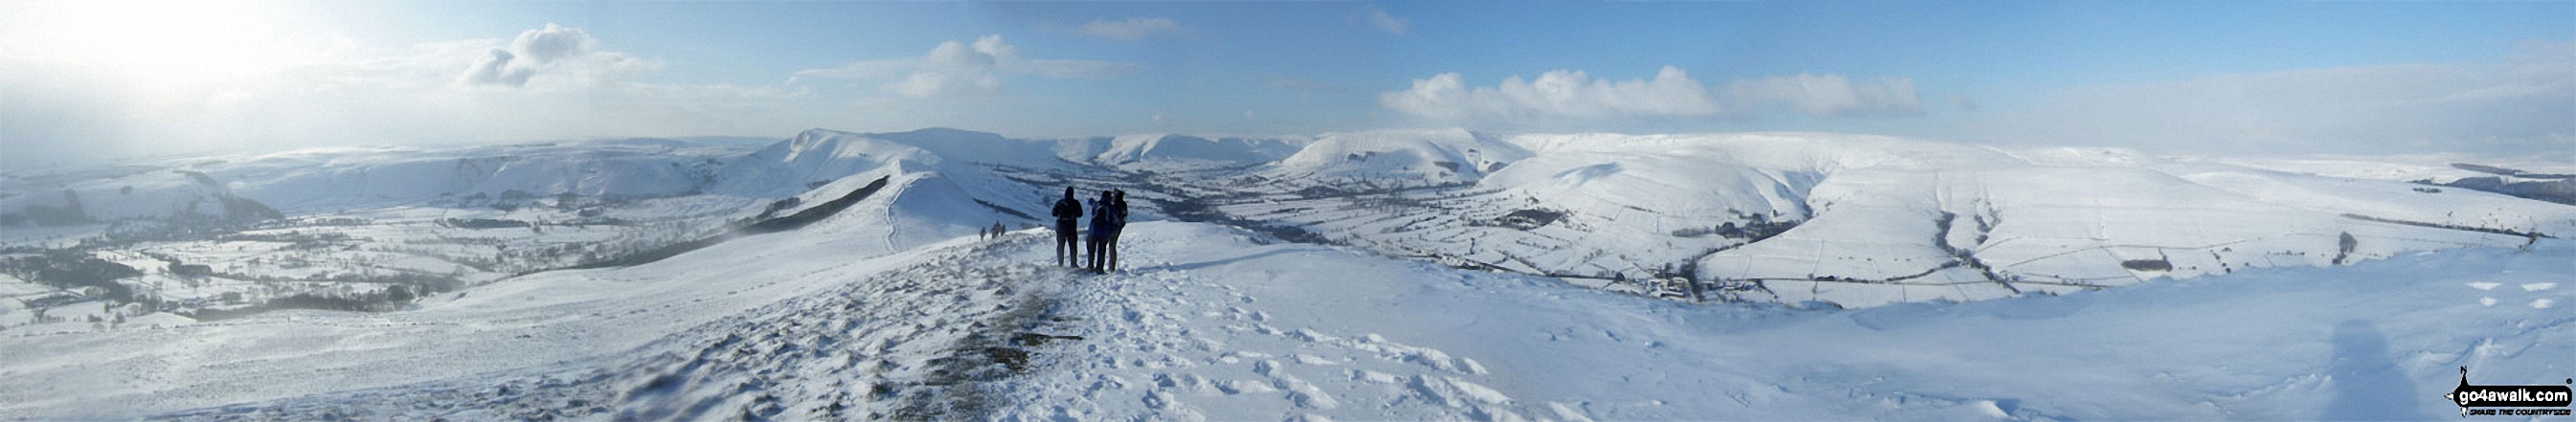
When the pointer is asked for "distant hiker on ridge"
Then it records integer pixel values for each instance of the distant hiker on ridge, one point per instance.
(1068, 216)
(998, 230)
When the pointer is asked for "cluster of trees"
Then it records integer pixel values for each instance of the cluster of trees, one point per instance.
(1527, 219)
(484, 223)
(371, 301)
(73, 270)
(1756, 227)
(390, 298)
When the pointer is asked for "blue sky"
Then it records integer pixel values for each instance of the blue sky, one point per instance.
(96, 79)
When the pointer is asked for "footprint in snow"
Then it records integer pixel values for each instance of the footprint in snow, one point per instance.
(1236, 387)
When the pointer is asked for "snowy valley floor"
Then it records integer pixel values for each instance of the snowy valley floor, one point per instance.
(1210, 322)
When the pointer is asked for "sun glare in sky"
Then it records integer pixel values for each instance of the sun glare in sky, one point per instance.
(164, 50)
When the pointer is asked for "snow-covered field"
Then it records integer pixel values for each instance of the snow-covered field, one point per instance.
(1439, 274)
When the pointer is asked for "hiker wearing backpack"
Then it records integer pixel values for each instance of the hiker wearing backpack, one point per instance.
(1102, 219)
(1068, 214)
(1117, 225)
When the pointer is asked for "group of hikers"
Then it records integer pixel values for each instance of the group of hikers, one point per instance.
(1108, 217)
(991, 233)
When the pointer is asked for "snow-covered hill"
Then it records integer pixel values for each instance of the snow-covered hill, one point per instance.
(1400, 156)
(1862, 221)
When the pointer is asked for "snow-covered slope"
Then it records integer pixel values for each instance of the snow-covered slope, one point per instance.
(1891, 235)
(937, 197)
(520, 324)
(1214, 324)
(1399, 156)
(813, 158)
(1185, 150)
(963, 187)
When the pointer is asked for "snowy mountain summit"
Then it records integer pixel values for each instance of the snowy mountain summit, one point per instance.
(1406, 274)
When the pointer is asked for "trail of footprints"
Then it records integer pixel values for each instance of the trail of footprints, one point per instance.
(920, 342)
(1188, 350)
(939, 340)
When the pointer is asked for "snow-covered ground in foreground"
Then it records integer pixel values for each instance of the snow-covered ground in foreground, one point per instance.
(1210, 322)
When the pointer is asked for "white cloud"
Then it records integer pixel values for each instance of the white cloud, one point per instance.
(1830, 95)
(553, 49)
(955, 68)
(1573, 96)
(1131, 29)
(1377, 17)
(2522, 103)
(1555, 95)
(554, 42)
(498, 69)
(1963, 103)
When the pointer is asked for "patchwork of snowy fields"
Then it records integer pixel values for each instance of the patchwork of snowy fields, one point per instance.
(1435, 274)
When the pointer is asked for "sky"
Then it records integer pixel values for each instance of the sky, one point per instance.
(93, 80)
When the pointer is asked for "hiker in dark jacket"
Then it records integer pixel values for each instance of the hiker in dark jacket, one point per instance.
(1068, 215)
(1117, 225)
(1102, 219)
